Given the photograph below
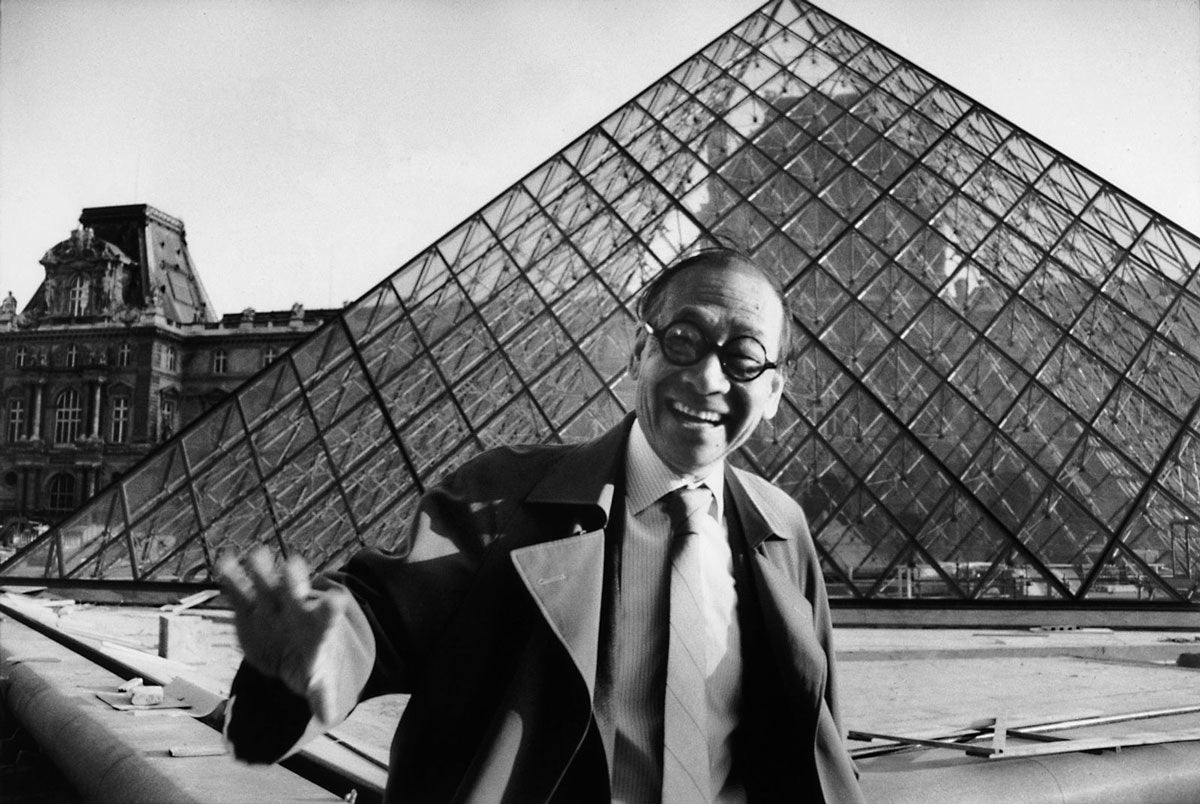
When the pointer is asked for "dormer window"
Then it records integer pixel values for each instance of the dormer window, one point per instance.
(77, 298)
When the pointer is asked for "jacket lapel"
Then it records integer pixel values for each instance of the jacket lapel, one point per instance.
(565, 580)
(564, 572)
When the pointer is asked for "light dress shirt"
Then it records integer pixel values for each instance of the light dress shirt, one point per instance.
(640, 630)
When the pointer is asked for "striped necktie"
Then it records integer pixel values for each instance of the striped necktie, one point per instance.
(686, 774)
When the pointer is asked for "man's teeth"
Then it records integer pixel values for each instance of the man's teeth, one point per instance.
(704, 415)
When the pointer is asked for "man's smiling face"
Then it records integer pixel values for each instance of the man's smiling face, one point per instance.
(694, 416)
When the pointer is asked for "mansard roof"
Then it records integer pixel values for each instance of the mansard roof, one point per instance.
(157, 272)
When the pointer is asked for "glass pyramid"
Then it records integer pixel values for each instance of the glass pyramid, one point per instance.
(998, 370)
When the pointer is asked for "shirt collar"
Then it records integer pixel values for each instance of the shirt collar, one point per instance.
(647, 478)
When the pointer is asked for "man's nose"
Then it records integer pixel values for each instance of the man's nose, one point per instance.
(707, 376)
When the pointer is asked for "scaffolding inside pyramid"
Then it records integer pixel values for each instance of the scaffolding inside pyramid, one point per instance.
(996, 377)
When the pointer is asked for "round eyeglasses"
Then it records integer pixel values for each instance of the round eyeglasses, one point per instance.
(683, 344)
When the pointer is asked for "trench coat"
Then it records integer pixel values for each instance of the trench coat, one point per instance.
(490, 616)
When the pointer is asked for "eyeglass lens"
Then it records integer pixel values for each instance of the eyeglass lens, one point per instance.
(742, 358)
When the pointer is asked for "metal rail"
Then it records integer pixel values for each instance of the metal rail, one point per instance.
(967, 740)
(317, 766)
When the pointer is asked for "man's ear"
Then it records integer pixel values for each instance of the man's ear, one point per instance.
(771, 407)
(635, 357)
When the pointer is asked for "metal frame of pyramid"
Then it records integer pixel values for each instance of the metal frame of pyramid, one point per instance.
(997, 368)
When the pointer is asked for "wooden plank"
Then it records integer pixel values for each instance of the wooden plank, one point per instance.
(190, 601)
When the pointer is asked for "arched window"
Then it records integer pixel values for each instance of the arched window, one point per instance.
(62, 492)
(220, 361)
(119, 431)
(77, 297)
(67, 415)
(123, 355)
(15, 421)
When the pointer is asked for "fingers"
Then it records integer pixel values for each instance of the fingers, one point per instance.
(295, 577)
(260, 580)
(234, 581)
(261, 566)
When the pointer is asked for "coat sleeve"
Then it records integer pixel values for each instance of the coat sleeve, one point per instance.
(839, 775)
(822, 623)
(400, 604)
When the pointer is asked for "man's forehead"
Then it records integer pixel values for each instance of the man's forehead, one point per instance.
(734, 290)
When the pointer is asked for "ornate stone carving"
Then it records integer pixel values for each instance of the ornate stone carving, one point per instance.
(50, 294)
(8, 312)
(27, 320)
(83, 245)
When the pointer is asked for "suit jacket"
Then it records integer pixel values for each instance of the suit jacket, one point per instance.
(491, 617)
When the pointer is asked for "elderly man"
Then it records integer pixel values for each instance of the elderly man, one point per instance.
(631, 619)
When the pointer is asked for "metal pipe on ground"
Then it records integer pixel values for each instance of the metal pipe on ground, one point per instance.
(1164, 774)
(53, 690)
(97, 763)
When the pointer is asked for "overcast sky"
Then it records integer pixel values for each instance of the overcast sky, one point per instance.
(312, 147)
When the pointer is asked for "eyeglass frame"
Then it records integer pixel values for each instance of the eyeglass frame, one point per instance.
(710, 346)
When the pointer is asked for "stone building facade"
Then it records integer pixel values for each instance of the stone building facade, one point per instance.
(118, 349)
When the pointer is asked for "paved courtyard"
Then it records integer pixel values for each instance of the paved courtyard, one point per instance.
(899, 681)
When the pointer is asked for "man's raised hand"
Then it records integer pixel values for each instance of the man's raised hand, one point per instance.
(283, 625)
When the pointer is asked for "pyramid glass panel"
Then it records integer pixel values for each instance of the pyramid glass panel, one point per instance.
(995, 382)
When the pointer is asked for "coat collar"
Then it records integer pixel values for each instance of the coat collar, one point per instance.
(760, 520)
(586, 477)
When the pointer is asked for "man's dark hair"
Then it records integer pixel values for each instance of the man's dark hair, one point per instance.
(650, 302)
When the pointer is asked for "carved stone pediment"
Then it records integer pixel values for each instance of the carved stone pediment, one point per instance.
(84, 246)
